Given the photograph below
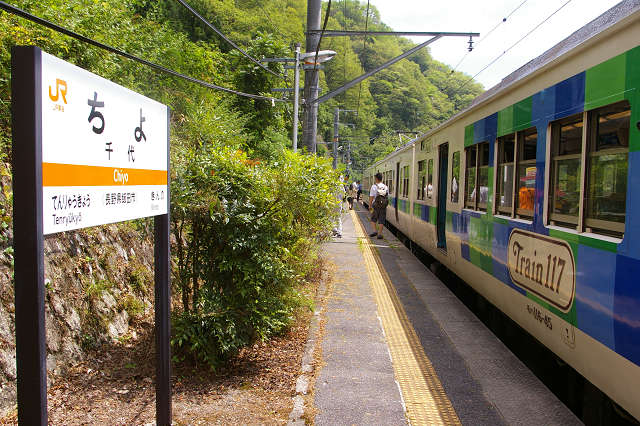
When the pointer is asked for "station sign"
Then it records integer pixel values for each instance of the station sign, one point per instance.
(104, 150)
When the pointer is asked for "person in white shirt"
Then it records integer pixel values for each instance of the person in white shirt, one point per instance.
(379, 192)
(353, 194)
(337, 229)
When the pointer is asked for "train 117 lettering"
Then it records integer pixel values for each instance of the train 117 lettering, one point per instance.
(544, 266)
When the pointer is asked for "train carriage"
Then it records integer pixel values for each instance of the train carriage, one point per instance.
(530, 196)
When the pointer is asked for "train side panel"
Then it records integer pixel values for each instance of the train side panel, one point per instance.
(590, 314)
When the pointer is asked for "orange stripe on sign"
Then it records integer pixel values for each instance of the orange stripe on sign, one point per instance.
(54, 174)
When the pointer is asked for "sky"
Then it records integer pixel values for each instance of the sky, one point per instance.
(481, 16)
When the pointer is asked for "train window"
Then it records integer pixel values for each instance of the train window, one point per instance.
(604, 148)
(516, 180)
(526, 172)
(470, 177)
(455, 176)
(422, 179)
(430, 179)
(405, 181)
(607, 160)
(566, 164)
(389, 181)
(483, 175)
(477, 176)
(506, 160)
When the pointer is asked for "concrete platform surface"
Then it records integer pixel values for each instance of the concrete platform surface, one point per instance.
(356, 383)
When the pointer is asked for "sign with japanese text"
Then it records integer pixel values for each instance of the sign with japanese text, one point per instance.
(104, 150)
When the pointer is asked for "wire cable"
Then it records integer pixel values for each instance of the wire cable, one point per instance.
(225, 38)
(324, 27)
(488, 34)
(514, 44)
(346, 41)
(364, 52)
(26, 15)
(266, 14)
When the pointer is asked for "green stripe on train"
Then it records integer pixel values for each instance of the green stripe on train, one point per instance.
(632, 81)
(417, 210)
(480, 239)
(468, 135)
(515, 117)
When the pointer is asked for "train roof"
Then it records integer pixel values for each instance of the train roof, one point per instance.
(603, 22)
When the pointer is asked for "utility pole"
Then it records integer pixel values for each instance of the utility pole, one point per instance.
(296, 97)
(336, 136)
(336, 126)
(310, 125)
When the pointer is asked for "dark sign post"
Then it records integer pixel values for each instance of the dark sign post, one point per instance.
(62, 180)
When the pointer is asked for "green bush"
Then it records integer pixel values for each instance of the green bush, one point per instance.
(246, 233)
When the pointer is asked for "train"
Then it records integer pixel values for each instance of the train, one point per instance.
(529, 196)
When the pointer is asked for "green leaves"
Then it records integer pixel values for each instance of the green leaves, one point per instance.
(246, 232)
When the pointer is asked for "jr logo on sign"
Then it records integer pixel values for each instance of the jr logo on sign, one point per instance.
(61, 90)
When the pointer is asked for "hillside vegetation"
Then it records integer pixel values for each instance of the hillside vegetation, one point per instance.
(247, 214)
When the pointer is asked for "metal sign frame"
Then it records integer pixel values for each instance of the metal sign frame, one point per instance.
(31, 347)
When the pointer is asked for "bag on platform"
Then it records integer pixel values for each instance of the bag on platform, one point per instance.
(382, 199)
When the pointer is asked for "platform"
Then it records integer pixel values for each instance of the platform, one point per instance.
(399, 347)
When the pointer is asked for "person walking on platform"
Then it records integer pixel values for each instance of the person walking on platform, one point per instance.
(353, 194)
(359, 190)
(378, 202)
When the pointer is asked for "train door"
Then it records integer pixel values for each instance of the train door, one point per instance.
(397, 189)
(443, 166)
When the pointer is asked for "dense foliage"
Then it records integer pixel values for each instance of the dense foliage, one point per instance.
(249, 232)
(247, 214)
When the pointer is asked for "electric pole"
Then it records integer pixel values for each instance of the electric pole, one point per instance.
(310, 125)
(296, 95)
(336, 137)
(336, 133)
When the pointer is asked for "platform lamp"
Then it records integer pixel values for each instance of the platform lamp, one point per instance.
(311, 62)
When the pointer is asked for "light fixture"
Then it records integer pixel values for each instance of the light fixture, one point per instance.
(323, 56)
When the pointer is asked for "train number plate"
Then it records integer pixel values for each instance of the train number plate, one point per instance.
(543, 266)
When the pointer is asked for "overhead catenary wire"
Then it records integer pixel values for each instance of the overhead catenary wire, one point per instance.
(488, 34)
(515, 44)
(227, 39)
(26, 15)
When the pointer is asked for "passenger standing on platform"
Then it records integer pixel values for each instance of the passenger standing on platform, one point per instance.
(378, 202)
(337, 229)
(359, 190)
(347, 189)
(353, 194)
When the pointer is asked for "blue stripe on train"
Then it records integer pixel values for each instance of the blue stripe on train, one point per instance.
(626, 308)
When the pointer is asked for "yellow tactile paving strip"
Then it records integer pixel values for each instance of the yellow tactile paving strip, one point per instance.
(424, 397)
